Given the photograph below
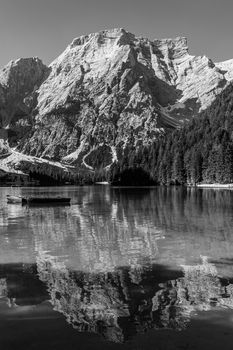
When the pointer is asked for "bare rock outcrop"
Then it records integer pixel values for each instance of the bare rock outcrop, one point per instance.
(18, 80)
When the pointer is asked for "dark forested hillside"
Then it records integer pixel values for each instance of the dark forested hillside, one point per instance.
(200, 151)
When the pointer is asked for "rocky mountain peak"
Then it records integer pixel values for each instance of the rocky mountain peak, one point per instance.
(106, 91)
(172, 48)
(19, 79)
(102, 36)
(22, 69)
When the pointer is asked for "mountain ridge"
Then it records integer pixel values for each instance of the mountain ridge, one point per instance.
(109, 88)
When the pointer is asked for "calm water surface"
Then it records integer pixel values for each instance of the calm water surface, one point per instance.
(120, 268)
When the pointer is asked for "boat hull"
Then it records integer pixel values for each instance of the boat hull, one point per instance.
(48, 200)
(38, 200)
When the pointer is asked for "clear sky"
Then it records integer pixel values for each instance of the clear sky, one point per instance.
(44, 28)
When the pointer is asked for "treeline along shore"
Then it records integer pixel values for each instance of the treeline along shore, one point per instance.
(201, 151)
(198, 153)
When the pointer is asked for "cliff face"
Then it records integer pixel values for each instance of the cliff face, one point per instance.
(18, 80)
(113, 88)
(108, 88)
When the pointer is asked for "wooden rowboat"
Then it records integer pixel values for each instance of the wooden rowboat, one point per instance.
(46, 200)
(37, 200)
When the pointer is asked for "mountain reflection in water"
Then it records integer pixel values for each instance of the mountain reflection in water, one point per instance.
(120, 261)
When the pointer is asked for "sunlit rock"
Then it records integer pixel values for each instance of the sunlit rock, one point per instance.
(108, 89)
(115, 88)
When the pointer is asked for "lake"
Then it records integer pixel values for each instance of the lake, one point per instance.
(120, 268)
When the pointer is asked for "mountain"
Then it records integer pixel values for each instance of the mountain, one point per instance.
(105, 92)
(18, 80)
(200, 151)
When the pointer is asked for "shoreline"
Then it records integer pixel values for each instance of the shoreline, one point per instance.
(105, 183)
(215, 185)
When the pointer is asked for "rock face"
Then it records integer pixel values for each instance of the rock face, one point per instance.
(108, 88)
(227, 68)
(18, 80)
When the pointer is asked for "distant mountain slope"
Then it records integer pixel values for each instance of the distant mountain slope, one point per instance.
(107, 90)
(111, 87)
(17, 81)
(200, 151)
